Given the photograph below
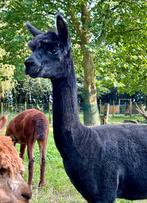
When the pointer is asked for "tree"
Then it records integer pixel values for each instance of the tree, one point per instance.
(121, 56)
(35, 88)
(6, 76)
(16, 12)
(7, 81)
(110, 35)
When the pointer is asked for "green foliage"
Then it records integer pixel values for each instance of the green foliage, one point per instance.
(116, 32)
(6, 75)
(123, 67)
(36, 86)
(13, 35)
(120, 58)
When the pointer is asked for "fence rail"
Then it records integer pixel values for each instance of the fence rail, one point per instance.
(47, 107)
(120, 109)
(19, 107)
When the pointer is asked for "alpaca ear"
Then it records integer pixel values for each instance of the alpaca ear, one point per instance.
(34, 31)
(3, 121)
(62, 29)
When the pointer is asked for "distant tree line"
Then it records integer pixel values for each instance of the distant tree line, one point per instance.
(108, 40)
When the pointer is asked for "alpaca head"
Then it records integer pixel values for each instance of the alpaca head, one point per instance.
(49, 51)
(12, 186)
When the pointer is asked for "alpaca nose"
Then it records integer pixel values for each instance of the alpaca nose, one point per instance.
(29, 62)
(26, 194)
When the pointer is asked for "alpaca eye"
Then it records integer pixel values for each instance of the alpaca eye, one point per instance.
(53, 51)
(3, 171)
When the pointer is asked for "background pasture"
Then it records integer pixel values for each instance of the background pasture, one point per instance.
(58, 188)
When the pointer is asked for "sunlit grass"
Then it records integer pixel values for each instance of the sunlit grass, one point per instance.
(119, 118)
(58, 188)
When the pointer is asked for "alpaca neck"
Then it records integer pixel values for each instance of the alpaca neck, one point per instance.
(65, 110)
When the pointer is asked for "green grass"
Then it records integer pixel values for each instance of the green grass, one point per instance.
(58, 188)
(119, 118)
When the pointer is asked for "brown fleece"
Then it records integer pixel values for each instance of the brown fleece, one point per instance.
(9, 158)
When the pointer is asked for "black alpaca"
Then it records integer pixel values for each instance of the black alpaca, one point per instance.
(103, 162)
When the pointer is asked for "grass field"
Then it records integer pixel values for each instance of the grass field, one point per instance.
(58, 188)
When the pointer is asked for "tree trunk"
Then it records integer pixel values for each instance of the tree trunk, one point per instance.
(90, 108)
(105, 116)
(91, 115)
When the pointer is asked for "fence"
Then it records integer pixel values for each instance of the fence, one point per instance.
(47, 107)
(19, 107)
(119, 109)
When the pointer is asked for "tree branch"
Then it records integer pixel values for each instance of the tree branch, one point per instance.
(74, 19)
(141, 110)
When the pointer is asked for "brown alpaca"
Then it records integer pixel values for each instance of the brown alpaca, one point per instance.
(12, 186)
(26, 128)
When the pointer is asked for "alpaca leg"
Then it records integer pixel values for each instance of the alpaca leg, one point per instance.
(31, 163)
(42, 148)
(22, 150)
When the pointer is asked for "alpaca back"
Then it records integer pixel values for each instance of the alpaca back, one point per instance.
(40, 123)
(30, 124)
